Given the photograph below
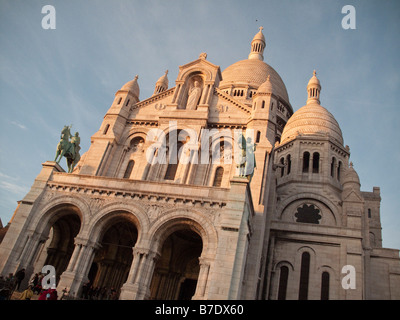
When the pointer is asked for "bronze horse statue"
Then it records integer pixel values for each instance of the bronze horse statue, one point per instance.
(68, 148)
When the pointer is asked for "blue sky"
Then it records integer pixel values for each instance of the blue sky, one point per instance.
(50, 78)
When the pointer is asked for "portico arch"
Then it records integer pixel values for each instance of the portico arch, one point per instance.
(56, 232)
(184, 248)
(116, 234)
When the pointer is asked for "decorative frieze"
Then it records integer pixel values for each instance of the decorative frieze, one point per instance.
(97, 197)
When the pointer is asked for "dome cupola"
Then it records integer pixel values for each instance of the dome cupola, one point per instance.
(313, 89)
(351, 178)
(161, 84)
(257, 46)
(132, 87)
(265, 87)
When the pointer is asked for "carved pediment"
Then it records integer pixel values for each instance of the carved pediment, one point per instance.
(211, 71)
(352, 196)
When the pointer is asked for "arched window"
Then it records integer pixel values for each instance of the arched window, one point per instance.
(282, 162)
(263, 104)
(219, 173)
(315, 166)
(304, 276)
(283, 281)
(289, 163)
(306, 161)
(119, 101)
(129, 168)
(325, 286)
(369, 213)
(333, 163)
(258, 137)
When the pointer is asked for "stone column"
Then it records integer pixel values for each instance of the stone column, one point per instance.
(202, 279)
(30, 248)
(74, 257)
(137, 287)
(152, 259)
(28, 255)
(78, 268)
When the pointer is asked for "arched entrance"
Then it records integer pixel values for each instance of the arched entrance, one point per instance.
(62, 229)
(112, 261)
(177, 270)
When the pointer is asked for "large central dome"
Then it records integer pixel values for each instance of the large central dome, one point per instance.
(253, 72)
(249, 74)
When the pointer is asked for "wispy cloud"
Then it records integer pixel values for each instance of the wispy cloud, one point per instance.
(12, 184)
(19, 125)
(13, 187)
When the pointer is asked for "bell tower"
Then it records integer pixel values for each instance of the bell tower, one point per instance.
(109, 134)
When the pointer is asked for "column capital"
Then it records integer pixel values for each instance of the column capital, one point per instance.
(87, 243)
(205, 261)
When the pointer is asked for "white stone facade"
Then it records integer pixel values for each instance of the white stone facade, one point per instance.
(131, 219)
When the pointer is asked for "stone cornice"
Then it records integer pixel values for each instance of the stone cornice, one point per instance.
(101, 189)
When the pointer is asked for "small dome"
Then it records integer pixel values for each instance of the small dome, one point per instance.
(266, 87)
(132, 86)
(161, 84)
(314, 80)
(259, 35)
(312, 119)
(163, 79)
(351, 176)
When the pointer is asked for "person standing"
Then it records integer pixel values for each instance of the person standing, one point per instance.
(27, 294)
(20, 275)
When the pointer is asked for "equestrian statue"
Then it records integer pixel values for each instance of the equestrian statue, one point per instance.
(69, 148)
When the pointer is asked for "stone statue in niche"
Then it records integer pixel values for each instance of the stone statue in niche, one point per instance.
(194, 96)
(137, 144)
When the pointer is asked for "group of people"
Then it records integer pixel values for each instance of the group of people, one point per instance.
(90, 292)
(12, 282)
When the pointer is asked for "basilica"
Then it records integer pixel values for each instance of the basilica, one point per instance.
(213, 188)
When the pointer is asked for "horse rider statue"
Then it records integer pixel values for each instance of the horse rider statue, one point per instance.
(69, 148)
